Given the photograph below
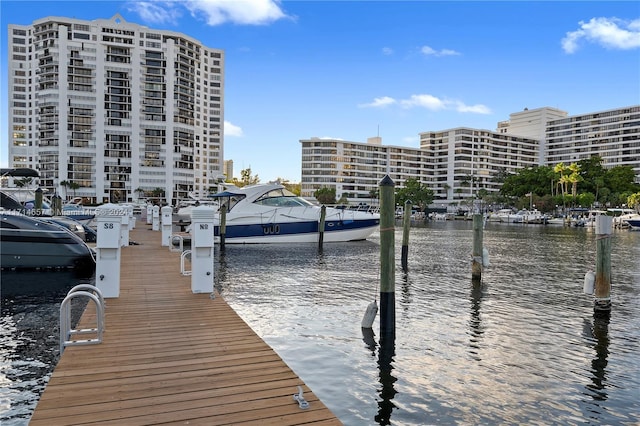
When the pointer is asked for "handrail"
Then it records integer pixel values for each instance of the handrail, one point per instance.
(66, 332)
(90, 288)
(183, 270)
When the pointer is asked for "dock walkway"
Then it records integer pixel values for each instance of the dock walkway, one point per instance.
(172, 357)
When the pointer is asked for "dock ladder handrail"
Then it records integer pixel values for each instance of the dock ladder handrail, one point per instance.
(66, 332)
(183, 256)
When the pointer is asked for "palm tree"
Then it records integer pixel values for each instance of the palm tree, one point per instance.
(561, 169)
(574, 178)
(139, 192)
(65, 184)
(374, 194)
(74, 186)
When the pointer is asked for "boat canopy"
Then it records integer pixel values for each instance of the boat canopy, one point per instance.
(19, 172)
(225, 194)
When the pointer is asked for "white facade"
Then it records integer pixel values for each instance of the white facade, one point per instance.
(355, 169)
(532, 124)
(115, 108)
(614, 135)
(457, 163)
(466, 160)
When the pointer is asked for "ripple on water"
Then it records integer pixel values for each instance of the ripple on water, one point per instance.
(523, 348)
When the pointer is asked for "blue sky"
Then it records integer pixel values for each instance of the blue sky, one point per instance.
(356, 69)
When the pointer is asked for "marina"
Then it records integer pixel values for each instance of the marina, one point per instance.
(524, 348)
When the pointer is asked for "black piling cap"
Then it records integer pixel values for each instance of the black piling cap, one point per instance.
(386, 181)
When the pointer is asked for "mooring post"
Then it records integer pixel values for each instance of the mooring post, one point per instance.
(57, 205)
(38, 200)
(223, 226)
(387, 258)
(602, 302)
(476, 264)
(406, 226)
(323, 214)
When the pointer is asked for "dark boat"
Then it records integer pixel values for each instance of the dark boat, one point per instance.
(30, 243)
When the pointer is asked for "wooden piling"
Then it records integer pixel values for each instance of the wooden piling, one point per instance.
(387, 259)
(476, 265)
(602, 302)
(38, 200)
(323, 214)
(223, 226)
(406, 226)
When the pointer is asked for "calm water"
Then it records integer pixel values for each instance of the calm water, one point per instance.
(523, 348)
(29, 337)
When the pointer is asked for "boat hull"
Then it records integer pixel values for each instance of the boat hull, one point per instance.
(299, 231)
(44, 247)
(634, 223)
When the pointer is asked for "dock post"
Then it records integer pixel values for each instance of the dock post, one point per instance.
(602, 302)
(476, 264)
(57, 205)
(108, 248)
(124, 225)
(387, 259)
(323, 214)
(202, 235)
(406, 226)
(166, 225)
(149, 214)
(155, 225)
(223, 226)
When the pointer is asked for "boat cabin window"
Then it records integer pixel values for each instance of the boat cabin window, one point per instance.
(282, 198)
(234, 200)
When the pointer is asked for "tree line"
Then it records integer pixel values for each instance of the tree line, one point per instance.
(585, 183)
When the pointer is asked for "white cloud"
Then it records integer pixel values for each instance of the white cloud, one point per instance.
(429, 51)
(476, 109)
(429, 102)
(611, 33)
(232, 130)
(379, 102)
(424, 101)
(154, 11)
(387, 51)
(213, 12)
(246, 12)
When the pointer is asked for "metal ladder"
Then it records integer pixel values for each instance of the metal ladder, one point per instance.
(68, 334)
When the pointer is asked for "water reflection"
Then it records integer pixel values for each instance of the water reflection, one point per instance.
(387, 390)
(599, 338)
(475, 322)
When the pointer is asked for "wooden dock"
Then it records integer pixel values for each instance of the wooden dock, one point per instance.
(172, 357)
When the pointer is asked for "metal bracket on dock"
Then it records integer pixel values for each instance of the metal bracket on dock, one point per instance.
(299, 398)
(172, 245)
(66, 332)
(183, 270)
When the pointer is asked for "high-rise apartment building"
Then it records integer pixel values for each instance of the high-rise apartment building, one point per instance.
(458, 162)
(464, 160)
(614, 135)
(354, 169)
(228, 169)
(115, 108)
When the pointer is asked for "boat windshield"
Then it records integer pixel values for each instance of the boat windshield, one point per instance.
(282, 198)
